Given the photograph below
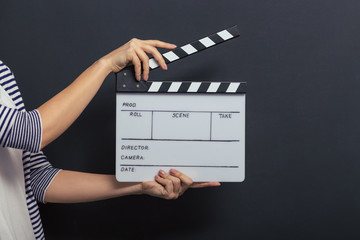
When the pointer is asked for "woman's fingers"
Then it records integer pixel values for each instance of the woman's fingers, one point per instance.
(145, 63)
(150, 46)
(134, 51)
(173, 185)
(186, 181)
(137, 66)
(139, 50)
(175, 181)
(205, 184)
(176, 184)
(160, 44)
(157, 55)
(167, 184)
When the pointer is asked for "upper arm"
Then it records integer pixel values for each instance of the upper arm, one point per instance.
(20, 129)
(39, 172)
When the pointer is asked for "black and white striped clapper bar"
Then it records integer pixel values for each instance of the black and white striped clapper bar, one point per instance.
(196, 127)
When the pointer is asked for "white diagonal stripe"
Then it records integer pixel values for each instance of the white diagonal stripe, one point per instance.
(213, 87)
(194, 87)
(155, 86)
(153, 63)
(225, 35)
(189, 49)
(233, 87)
(207, 42)
(171, 56)
(174, 87)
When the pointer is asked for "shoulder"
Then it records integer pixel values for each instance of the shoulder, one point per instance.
(3, 69)
(5, 72)
(8, 83)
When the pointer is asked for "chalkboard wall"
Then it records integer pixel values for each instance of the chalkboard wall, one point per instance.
(301, 60)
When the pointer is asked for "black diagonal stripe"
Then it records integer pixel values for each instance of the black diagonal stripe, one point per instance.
(203, 87)
(234, 31)
(180, 53)
(198, 45)
(165, 86)
(242, 88)
(184, 87)
(216, 38)
(223, 87)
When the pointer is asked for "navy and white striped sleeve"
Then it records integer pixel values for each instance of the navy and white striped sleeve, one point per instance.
(41, 173)
(20, 129)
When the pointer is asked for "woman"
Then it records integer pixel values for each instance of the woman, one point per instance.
(25, 169)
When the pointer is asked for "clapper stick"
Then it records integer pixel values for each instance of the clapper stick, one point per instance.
(196, 46)
(126, 78)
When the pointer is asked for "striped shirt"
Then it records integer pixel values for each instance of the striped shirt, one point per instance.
(22, 130)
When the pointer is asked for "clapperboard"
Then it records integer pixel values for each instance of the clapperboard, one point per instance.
(196, 127)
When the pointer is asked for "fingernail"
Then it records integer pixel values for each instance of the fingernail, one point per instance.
(146, 77)
(165, 67)
(162, 172)
(138, 77)
(157, 177)
(174, 45)
(173, 171)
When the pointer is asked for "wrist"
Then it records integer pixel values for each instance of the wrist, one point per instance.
(104, 64)
(139, 189)
(127, 188)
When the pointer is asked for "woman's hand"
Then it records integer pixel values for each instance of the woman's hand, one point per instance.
(134, 52)
(173, 185)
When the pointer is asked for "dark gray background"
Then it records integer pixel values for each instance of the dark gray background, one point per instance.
(301, 62)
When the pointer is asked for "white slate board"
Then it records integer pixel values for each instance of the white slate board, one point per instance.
(201, 135)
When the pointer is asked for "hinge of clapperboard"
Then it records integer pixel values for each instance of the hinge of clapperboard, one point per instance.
(126, 82)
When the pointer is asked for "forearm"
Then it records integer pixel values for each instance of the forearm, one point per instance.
(62, 110)
(74, 187)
